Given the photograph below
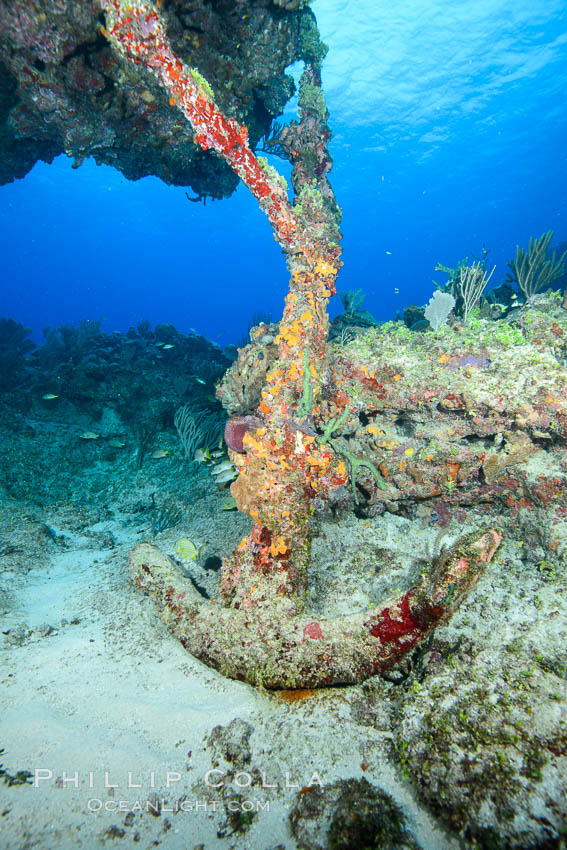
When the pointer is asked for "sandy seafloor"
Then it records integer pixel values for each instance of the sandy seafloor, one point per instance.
(108, 691)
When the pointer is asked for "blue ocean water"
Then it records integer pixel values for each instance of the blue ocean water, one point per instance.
(449, 135)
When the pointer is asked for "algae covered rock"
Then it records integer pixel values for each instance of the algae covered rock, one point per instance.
(347, 814)
(483, 739)
(232, 742)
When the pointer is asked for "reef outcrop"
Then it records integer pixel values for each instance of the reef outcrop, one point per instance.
(467, 416)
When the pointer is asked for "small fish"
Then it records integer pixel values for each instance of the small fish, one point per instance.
(512, 298)
(160, 453)
(159, 344)
(217, 453)
(389, 253)
(49, 396)
(224, 477)
(229, 504)
(168, 346)
(396, 291)
(89, 435)
(201, 381)
(201, 455)
(187, 550)
(223, 466)
(116, 444)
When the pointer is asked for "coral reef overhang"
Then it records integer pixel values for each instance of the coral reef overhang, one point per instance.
(64, 90)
